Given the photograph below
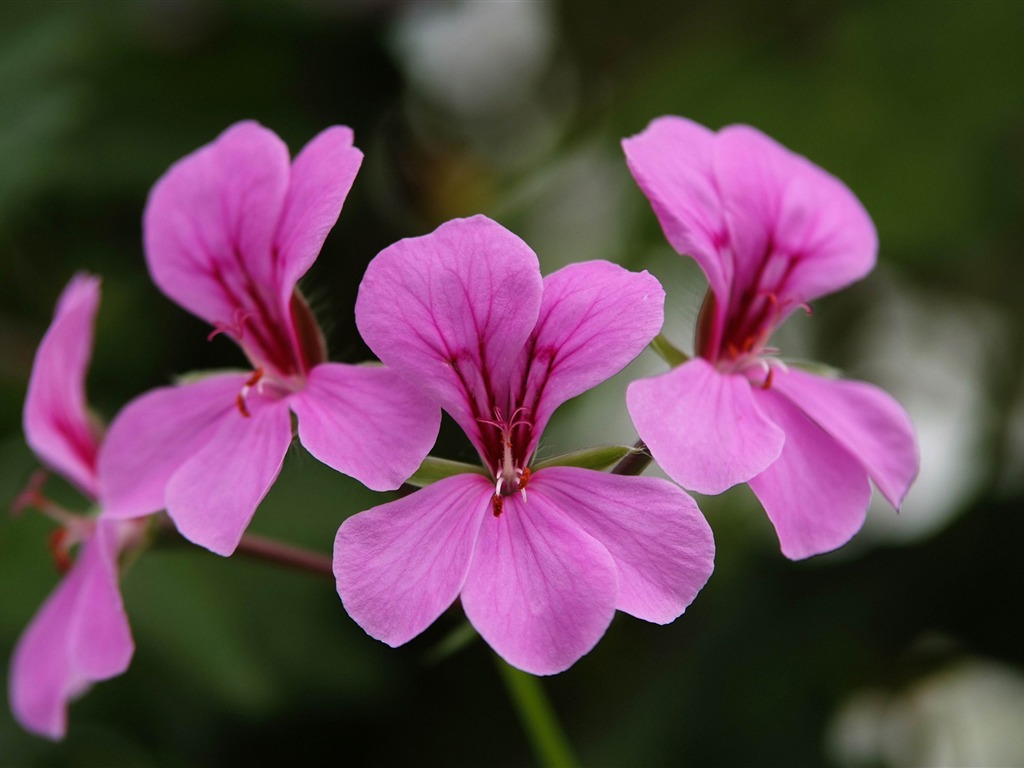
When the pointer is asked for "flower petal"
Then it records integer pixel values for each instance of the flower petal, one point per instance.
(662, 546)
(540, 590)
(865, 420)
(79, 636)
(451, 311)
(400, 565)
(816, 493)
(787, 215)
(595, 317)
(212, 497)
(208, 230)
(210, 219)
(703, 427)
(366, 422)
(321, 177)
(56, 420)
(672, 161)
(154, 435)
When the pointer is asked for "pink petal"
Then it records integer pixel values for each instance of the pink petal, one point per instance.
(540, 590)
(672, 161)
(451, 311)
(816, 494)
(155, 434)
(366, 422)
(594, 319)
(400, 565)
(321, 177)
(57, 423)
(780, 206)
(208, 229)
(865, 420)
(79, 636)
(662, 546)
(212, 497)
(703, 427)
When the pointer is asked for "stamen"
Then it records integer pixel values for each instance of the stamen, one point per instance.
(767, 383)
(60, 548)
(234, 328)
(251, 382)
(32, 494)
(524, 479)
(497, 503)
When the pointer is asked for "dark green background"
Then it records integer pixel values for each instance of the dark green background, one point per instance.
(919, 107)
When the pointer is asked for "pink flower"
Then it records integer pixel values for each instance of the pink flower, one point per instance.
(229, 230)
(543, 557)
(771, 232)
(80, 635)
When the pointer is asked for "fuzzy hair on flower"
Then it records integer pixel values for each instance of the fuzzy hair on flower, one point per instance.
(228, 232)
(541, 557)
(771, 231)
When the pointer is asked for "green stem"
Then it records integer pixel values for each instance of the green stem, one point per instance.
(537, 716)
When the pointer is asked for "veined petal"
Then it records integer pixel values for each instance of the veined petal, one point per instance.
(662, 546)
(540, 590)
(56, 419)
(79, 636)
(451, 311)
(672, 161)
(816, 493)
(796, 230)
(212, 496)
(595, 317)
(703, 427)
(155, 434)
(321, 177)
(366, 422)
(208, 230)
(400, 565)
(865, 420)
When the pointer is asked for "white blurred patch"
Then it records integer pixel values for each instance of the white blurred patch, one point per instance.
(936, 355)
(475, 58)
(575, 208)
(971, 714)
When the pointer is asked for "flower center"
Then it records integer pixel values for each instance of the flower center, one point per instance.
(737, 342)
(510, 472)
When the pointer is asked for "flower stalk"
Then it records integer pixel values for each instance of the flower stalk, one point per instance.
(537, 716)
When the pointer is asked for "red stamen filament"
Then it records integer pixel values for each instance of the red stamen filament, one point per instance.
(60, 548)
(251, 382)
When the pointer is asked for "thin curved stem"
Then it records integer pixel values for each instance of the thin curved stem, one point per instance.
(262, 548)
(537, 716)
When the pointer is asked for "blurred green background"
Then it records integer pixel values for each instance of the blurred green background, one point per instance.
(904, 648)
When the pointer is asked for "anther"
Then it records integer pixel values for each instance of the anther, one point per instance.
(497, 503)
(58, 544)
(767, 383)
(251, 382)
(524, 479)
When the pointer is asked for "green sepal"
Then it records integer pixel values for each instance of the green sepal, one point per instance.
(668, 352)
(194, 377)
(812, 366)
(433, 469)
(601, 457)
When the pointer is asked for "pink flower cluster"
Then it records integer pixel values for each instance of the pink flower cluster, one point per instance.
(540, 556)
